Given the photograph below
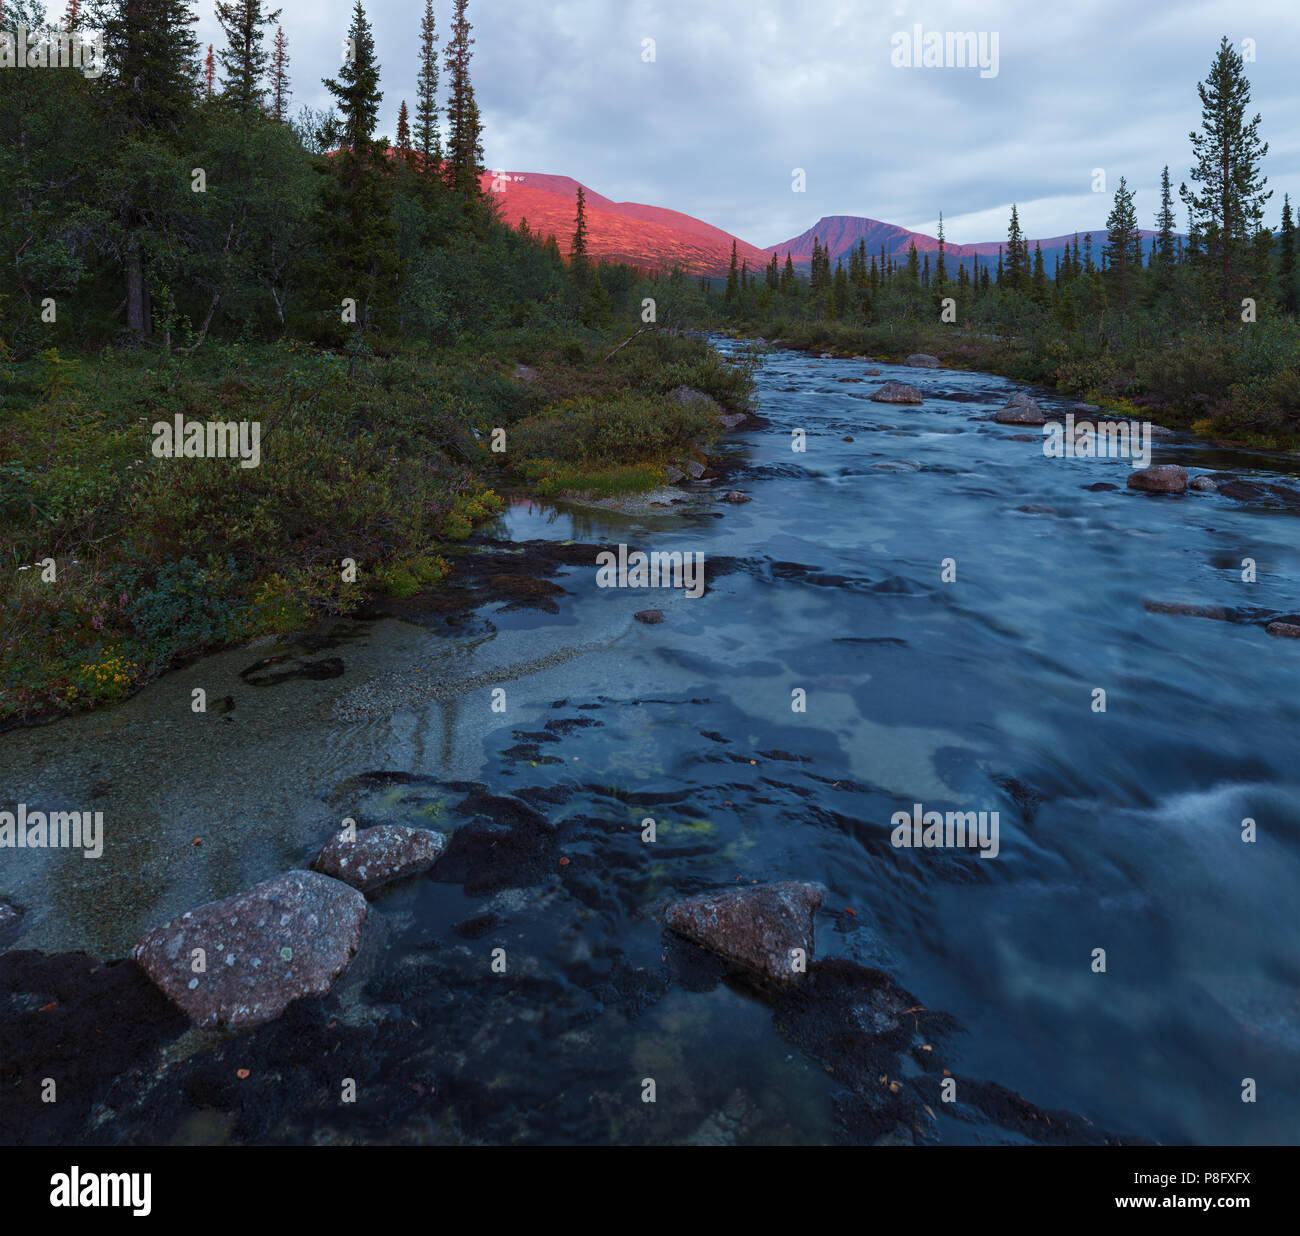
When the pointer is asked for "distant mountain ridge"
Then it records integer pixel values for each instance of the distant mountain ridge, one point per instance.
(656, 238)
(842, 234)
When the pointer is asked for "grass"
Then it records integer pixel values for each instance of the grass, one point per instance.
(118, 564)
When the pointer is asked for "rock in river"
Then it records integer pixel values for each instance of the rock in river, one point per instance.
(651, 617)
(1020, 409)
(262, 949)
(758, 927)
(376, 856)
(896, 392)
(1159, 479)
(922, 360)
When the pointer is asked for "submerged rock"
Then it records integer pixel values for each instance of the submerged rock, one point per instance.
(9, 915)
(1159, 479)
(1288, 630)
(896, 392)
(379, 855)
(760, 927)
(922, 360)
(1203, 484)
(650, 617)
(736, 497)
(262, 949)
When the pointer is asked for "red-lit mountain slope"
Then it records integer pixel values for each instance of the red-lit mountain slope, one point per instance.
(646, 236)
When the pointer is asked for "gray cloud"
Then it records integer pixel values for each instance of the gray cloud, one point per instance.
(743, 91)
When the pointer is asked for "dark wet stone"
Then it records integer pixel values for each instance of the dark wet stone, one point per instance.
(736, 497)
(477, 927)
(325, 668)
(1259, 491)
(1159, 479)
(1287, 630)
(897, 392)
(1099, 487)
(285, 938)
(379, 855)
(649, 616)
(9, 915)
(922, 360)
(756, 927)
(84, 1023)
(1218, 612)
(1203, 484)
(566, 725)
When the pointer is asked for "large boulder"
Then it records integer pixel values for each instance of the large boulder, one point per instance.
(1287, 630)
(688, 394)
(261, 949)
(1020, 409)
(1159, 479)
(896, 392)
(757, 927)
(922, 360)
(377, 856)
(731, 419)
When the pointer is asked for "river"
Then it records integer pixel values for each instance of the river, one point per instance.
(966, 689)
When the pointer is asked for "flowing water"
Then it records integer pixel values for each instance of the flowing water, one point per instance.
(966, 689)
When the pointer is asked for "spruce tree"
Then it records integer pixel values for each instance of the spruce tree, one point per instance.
(787, 275)
(359, 261)
(403, 138)
(1039, 283)
(428, 136)
(152, 55)
(356, 91)
(1121, 231)
(464, 131)
(1017, 264)
(733, 278)
(578, 263)
(1290, 294)
(280, 91)
(243, 60)
(1227, 210)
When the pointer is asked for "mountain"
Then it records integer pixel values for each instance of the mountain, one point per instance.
(649, 237)
(841, 233)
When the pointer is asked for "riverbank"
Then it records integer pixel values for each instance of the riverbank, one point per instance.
(1195, 385)
(356, 479)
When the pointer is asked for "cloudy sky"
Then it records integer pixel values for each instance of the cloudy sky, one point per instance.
(742, 92)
